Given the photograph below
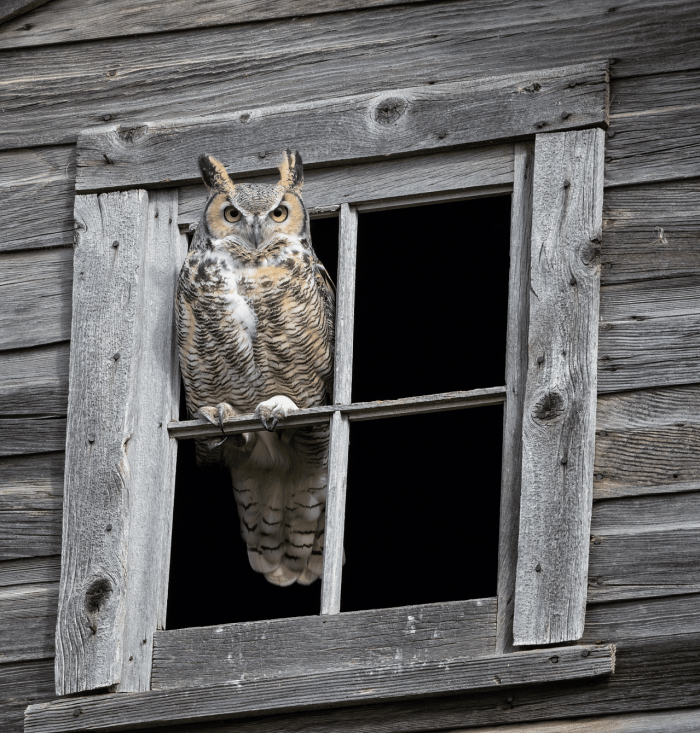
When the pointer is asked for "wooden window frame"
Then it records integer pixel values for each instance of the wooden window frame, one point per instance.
(573, 98)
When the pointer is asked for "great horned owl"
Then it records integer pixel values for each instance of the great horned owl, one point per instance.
(255, 314)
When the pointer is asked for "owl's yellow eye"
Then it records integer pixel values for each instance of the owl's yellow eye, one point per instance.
(279, 214)
(231, 213)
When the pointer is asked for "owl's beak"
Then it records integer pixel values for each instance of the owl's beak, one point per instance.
(256, 228)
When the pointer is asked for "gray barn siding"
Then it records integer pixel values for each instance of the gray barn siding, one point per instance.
(193, 63)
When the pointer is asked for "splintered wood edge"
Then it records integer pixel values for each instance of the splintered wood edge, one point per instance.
(330, 688)
(357, 411)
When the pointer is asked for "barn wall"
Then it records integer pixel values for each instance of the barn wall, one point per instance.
(68, 64)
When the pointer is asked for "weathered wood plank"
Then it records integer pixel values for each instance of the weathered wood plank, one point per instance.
(331, 687)
(560, 398)
(31, 497)
(641, 513)
(106, 304)
(28, 625)
(386, 179)
(649, 557)
(647, 442)
(79, 20)
(651, 231)
(653, 673)
(674, 721)
(152, 453)
(516, 370)
(36, 197)
(23, 436)
(12, 8)
(356, 411)
(347, 128)
(35, 290)
(648, 352)
(30, 570)
(34, 382)
(293, 646)
(640, 108)
(178, 74)
(22, 684)
(124, 389)
(339, 443)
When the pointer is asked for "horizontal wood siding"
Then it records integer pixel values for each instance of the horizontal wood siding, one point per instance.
(28, 614)
(656, 671)
(36, 291)
(647, 440)
(36, 197)
(214, 71)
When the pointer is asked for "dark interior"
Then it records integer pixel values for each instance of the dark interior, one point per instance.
(423, 491)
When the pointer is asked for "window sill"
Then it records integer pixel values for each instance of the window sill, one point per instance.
(331, 688)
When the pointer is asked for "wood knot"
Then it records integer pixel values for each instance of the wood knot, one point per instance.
(389, 110)
(548, 407)
(131, 134)
(97, 595)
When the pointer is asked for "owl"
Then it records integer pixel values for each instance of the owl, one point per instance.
(255, 319)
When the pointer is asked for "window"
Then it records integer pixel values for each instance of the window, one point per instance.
(124, 390)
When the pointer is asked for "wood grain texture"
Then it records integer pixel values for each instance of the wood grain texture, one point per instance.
(560, 398)
(652, 673)
(30, 570)
(651, 231)
(80, 20)
(348, 128)
(22, 436)
(650, 557)
(31, 497)
(152, 453)
(295, 646)
(35, 289)
(339, 444)
(649, 334)
(12, 8)
(120, 482)
(22, 684)
(674, 721)
(34, 382)
(647, 442)
(643, 546)
(331, 687)
(107, 301)
(217, 71)
(640, 108)
(356, 411)
(28, 625)
(516, 371)
(385, 179)
(36, 198)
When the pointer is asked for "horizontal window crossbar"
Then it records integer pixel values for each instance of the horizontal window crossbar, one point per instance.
(356, 411)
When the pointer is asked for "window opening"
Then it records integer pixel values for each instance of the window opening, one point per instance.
(454, 339)
(423, 498)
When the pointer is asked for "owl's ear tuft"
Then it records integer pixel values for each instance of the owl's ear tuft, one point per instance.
(214, 174)
(292, 171)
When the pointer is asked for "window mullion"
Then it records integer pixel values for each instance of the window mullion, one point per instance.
(340, 425)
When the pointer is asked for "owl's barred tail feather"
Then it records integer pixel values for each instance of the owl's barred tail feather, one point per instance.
(282, 514)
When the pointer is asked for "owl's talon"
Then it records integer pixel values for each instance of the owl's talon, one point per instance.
(272, 423)
(221, 409)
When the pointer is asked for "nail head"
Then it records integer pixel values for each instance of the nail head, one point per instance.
(109, 527)
(585, 653)
(563, 461)
(107, 117)
(117, 356)
(565, 115)
(115, 243)
(91, 437)
(540, 359)
(538, 568)
(262, 154)
(554, 659)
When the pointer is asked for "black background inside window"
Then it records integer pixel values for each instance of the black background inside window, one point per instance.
(423, 491)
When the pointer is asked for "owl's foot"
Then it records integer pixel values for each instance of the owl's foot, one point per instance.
(273, 410)
(218, 415)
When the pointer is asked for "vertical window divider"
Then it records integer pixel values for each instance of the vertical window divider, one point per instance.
(340, 424)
